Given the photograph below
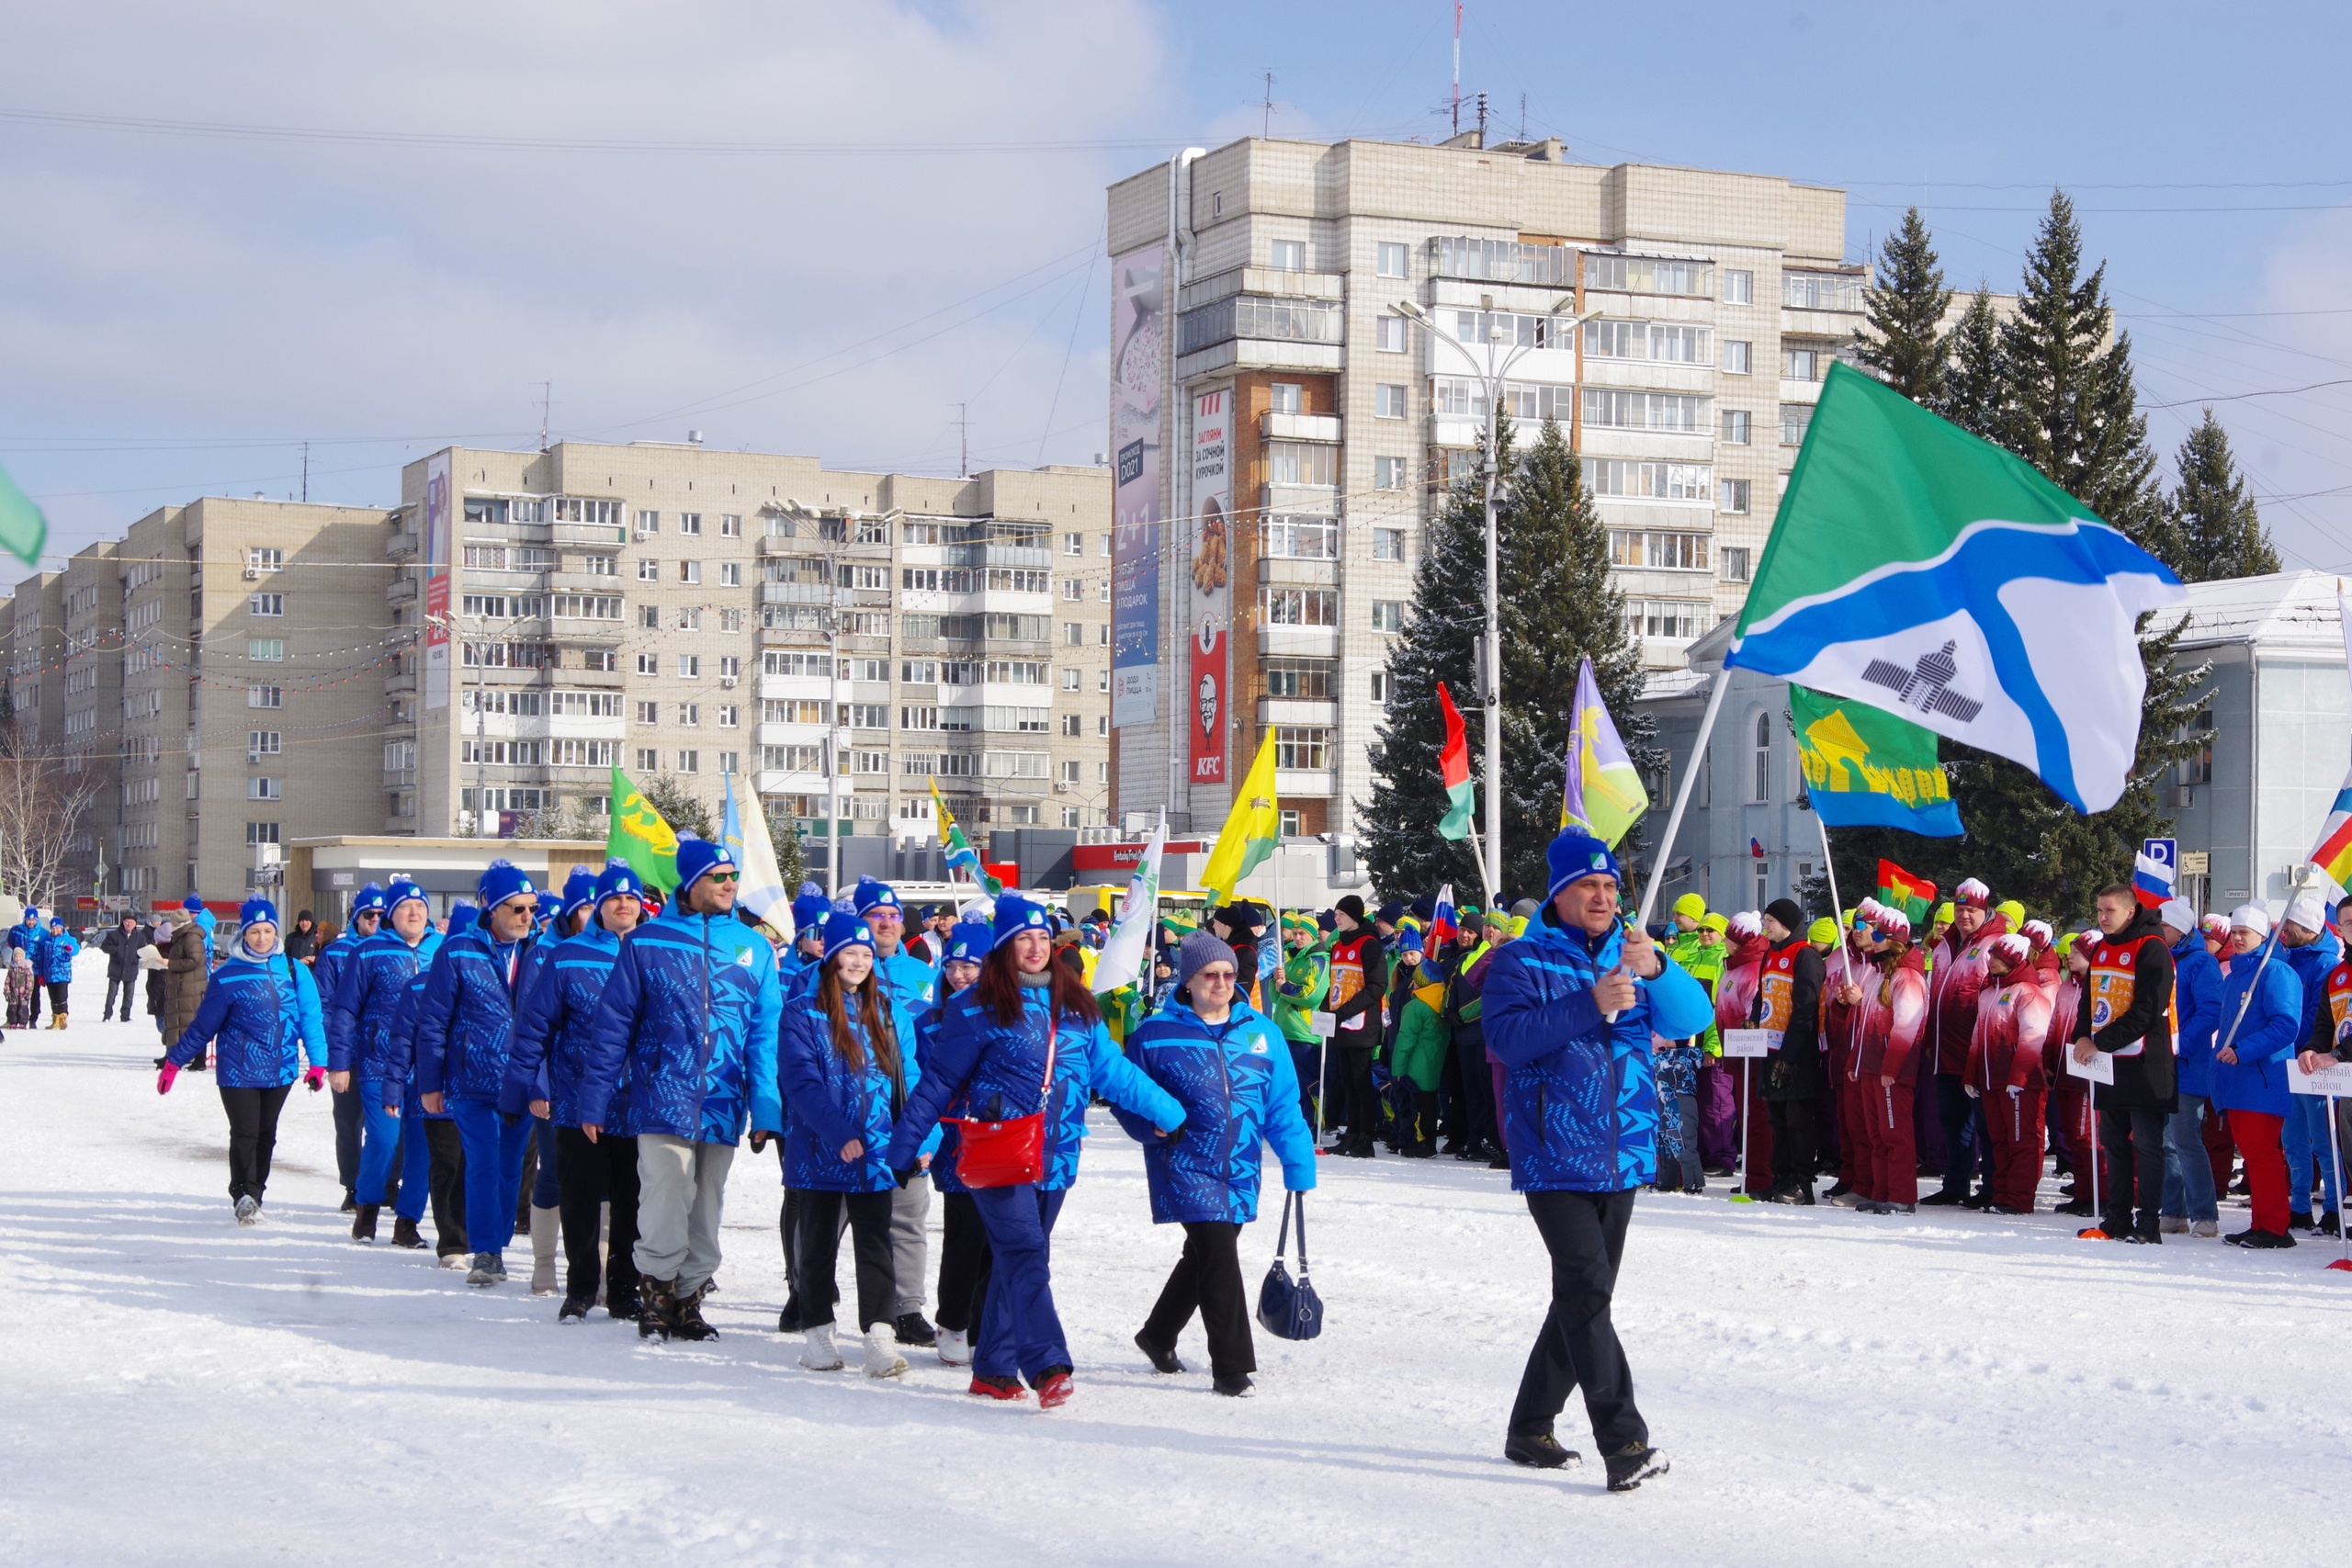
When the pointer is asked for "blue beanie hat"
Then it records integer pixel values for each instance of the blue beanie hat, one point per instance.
(502, 880)
(368, 898)
(579, 889)
(463, 918)
(550, 905)
(846, 930)
(808, 912)
(698, 858)
(192, 903)
(871, 893)
(1575, 855)
(400, 892)
(969, 941)
(1410, 938)
(257, 911)
(1014, 914)
(619, 881)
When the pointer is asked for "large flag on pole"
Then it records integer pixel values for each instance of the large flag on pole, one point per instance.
(1604, 794)
(1865, 768)
(641, 837)
(760, 888)
(961, 856)
(23, 529)
(1454, 768)
(1122, 960)
(1915, 896)
(1251, 829)
(1919, 570)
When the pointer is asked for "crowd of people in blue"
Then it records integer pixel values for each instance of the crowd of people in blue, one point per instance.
(585, 1064)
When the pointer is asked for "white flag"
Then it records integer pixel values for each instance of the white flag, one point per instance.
(1121, 963)
(761, 889)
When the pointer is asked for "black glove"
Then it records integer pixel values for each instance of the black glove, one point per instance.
(903, 1176)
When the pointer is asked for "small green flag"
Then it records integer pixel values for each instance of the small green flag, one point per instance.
(641, 838)
(22, 527)
(1865, 768)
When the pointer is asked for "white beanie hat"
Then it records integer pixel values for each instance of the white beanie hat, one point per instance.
(2252, 918)
(2010, 946)
(2308, 910)
(2180, 914)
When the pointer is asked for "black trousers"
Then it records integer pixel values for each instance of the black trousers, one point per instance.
(253, 1136)
(1584, 1234)
(818, 1238)
(2134, 1143)
(964, 1264)
(1208, 1279)
(1363, 1103)
(1966, 1153)
(350, 1118)
(59, 1003)
(591, 1176)
(1794, 1147)
(1477, 1095)
(128, 988)
(448, 1178)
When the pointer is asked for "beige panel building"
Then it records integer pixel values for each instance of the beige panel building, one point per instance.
(1320, 315)
(821, 636)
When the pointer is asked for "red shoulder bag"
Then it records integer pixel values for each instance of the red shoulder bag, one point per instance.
(1010, 1153)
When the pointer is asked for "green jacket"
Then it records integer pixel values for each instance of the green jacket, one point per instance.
(1419, 1052)
(1705, 963)
(1307, 979)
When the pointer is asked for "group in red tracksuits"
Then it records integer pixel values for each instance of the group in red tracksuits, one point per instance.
(1848, 970)
(2004, 1067)
(2070, 1094)
(1894, 1009)
(1736, 994)
(1956, 975)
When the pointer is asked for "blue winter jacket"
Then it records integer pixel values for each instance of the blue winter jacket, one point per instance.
(55, 961)
(364, 1010)
(262, 1014)
(326, 972)
(688, 1024)
(2197, 997)
(948, 1136)
(551, 1029)
(997, 1071)
(466, 1019)
(911, 981)
(2266, 1035)
(2311, 963)
(1239, 1091)
(1580, 1095)
(827, 1102)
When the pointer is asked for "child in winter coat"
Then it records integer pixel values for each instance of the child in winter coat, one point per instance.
(1417, 1059)
(1230, 1070)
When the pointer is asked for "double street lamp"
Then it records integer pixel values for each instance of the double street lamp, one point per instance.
(1492, 376)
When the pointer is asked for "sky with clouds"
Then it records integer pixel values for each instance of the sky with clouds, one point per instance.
(238, 227)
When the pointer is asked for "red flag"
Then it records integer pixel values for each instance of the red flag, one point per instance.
(1453, 769)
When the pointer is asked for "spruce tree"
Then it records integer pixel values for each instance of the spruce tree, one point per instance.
(681, 808)
(1970, 394)
(2220, 532)
(1903, 343)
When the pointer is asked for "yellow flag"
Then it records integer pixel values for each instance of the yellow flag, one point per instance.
(1251, 830)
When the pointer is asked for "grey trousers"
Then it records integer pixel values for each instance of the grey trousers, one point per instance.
(911, 1241)
(681, 1186)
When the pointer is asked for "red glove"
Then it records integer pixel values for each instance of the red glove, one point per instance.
(316, 1077)
(163, 1078)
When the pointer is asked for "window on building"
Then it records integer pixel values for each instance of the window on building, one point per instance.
(690, 667)
(1299, 606)
(869, 716)
(1657, 550)
(1388, 544)
(1300, 538)
(1074, 634)
(1301, 463)
(1074, 589)
(1388, 333)
(264, 696)
(601, 566)
(1644, 410)
(260, 743)
(649, 760)
(1736, 424)
(730, 526)
(266, 649)
(1389, 473)
(1287, 255)
(1759, 779)
(648, 664)
(1731, 496)
(1796, 420)
(1285, 396)
(1801, 364)
(1380, 688)
(1073, 544)
(1738, 357)
(1073, 726)
(648, 571)
(649, 616)
(1672, 342)
(648, 523)
(690, 714)
(261, 833)
(1391, 259)
(1647, 481)
(1302, 745)
(730, 574)
(264, 559)
(690, 571)
(266, 605)
(690, 618)
(604, 659)
(1103, 726)
(1071, 679)
(1733, 559)
(1388, 614)
(1676, 618)
(689, 762)
(1388, 401)
(1300, 680)
(689, 522)
(1740, 287)
(265, 789)
(2196, 767)
(1104, 545)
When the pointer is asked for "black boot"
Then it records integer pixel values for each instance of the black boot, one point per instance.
(1540, 1450)
(350, 1197)
(404, 1234)
(911, 1329)
(686, 1321)
(657, 1307)
(1633, 1464)
(363, 1222)
(1162, 1358)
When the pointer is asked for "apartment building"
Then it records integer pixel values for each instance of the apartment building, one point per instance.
(839, 641)
(1302, 335)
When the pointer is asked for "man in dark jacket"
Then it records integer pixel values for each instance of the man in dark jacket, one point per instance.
(2127, 1015)
(122, 947)
(1359, 980)
(1789, 995)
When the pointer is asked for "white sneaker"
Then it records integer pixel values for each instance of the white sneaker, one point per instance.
(2205, 1227)
(457, 1260)
(249, 1210)
(819, 1355)
(2171, 1225)
(882, 1357)
(955, 1348)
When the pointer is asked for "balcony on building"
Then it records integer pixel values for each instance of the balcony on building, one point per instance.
(1257, 318)
(1298, 784)
(1274, 426)
(1304, 642)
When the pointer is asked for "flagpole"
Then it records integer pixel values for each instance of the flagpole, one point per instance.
(1837, 909)
(1682, 794)
(1484, 880)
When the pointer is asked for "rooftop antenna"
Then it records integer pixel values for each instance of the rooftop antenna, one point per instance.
(1266, 129)
(964, 430)
(306, 471)
(1522, 117)
(1457, 67)
(1482, 119)
(546, 394)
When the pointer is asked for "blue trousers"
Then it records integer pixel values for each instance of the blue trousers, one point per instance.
(494, 1143)
(416, 1160)
(546, 1192)
(379, 1144)
(1020, 1330)
(2189, 1173)
(2305, 1138)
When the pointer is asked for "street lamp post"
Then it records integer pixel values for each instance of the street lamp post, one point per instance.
(1491, 381)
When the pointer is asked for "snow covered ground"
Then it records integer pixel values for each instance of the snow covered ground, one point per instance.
(1832, 1388)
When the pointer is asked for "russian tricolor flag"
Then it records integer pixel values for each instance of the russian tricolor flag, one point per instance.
(2152, 880)
(1442, 924)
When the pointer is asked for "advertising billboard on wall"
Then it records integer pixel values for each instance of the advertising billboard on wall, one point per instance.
(1139, 350)
(438, 531)
(1209, 590)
